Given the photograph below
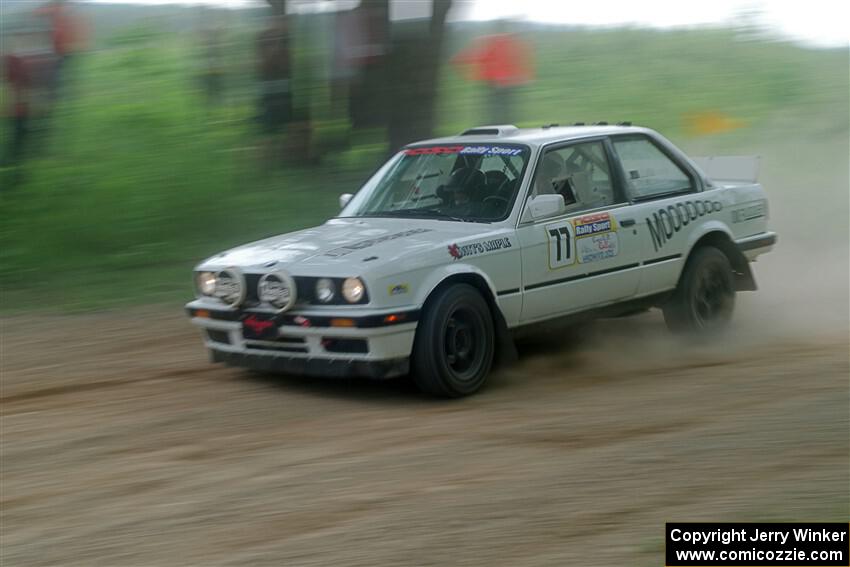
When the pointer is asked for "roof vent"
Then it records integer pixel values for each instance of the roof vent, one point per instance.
(498, 130)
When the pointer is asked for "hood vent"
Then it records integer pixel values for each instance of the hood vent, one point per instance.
(498, 130)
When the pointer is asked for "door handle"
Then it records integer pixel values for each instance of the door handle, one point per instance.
(627, 222)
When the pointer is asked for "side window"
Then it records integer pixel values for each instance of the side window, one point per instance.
(580, 173)
(649, 172)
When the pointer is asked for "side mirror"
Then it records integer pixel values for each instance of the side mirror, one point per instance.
(344, 199)
(543, 206)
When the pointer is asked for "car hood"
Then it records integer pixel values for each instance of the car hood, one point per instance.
(339, 242)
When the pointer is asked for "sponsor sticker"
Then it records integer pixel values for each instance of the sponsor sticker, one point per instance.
(349, 248)
(259, 327)
(667, 221)
(594, 224)
(749, 212)
(477, 248)
(597, 247)
(398, 289)
(483, 150)
(596, 237)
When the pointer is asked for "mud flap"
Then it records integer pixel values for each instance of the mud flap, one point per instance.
(744, 279)
(506, 351)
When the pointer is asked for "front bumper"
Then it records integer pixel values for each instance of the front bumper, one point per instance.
(308, 343)
(330, 368)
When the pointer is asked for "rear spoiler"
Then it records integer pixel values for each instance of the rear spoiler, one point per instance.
(730, 168)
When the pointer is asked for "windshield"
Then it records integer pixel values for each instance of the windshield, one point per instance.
(475, 183)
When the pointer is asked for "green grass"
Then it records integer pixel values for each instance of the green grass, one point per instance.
(137, 182)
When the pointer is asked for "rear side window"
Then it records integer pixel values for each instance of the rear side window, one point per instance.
(649, 172)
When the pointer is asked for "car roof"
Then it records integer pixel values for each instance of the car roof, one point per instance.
(535, 137)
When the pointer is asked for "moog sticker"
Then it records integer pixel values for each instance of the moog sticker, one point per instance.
(668, 221)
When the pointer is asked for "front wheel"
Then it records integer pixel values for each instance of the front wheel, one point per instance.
(705, 297)
(454, 345)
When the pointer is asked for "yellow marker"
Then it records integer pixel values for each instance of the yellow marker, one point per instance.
(710, 122)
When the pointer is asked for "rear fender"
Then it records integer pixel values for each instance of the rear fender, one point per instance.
(715, 233)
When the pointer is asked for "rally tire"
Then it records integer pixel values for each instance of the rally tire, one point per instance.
(705, 297)
(455, 343)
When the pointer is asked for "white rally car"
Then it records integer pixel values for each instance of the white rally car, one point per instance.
(455, 243)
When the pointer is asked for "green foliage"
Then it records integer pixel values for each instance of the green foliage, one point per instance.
(141, 33)
(138, 180)
(654, 78)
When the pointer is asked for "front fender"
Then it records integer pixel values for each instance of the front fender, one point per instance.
(442, 273)
(506, 353)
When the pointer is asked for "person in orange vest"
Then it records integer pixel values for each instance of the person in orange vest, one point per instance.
(66, 36)
(28, 67)
(504, 63)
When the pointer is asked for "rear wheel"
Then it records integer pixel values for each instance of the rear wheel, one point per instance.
(454, 346)
(705, 297)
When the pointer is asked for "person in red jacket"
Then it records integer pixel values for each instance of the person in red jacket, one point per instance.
(503, 62)
(66, 37)
(28, 66)
(17, 78)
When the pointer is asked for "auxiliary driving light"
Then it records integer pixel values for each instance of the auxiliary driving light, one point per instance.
(277, 288)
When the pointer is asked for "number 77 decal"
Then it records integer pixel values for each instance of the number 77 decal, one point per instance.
(561, 243)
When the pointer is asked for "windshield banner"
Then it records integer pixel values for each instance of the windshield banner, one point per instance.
(473, 150)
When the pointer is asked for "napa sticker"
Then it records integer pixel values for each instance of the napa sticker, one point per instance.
(596, 237)
(398, 289)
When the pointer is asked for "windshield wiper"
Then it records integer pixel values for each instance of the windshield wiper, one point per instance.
(417, 213)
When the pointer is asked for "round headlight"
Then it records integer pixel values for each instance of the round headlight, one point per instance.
(206, 283)
(353, 289)
(230, 286)
(325, 290)
(277, 288)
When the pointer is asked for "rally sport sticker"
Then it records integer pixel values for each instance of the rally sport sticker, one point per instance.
(472, 150)
(596, 237)
(589, 238)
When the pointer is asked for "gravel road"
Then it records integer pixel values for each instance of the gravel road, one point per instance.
(122, 445)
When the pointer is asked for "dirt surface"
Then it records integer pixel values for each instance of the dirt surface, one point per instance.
(122, 445)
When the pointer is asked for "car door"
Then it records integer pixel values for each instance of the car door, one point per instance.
(667, 205)
(585, 255)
